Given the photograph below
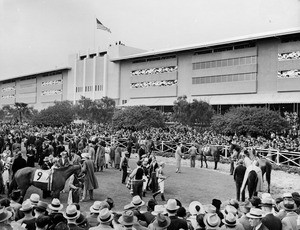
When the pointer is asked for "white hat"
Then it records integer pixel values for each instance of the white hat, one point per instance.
(211, 220)
(55, 205)
(71, 212)
(159, 209)
(255, 213)
(105, 216)
(196, 208)
(230, 220)
(26, 206)
(172, 205)
(95, 208)
(34, 199)
(137, 201)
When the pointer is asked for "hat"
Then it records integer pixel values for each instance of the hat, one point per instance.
(16, 195)
(265, 195)
(255, 201)
(255, 213)
(42, 206)
(217, 203)
(287, 195)
(26, 206)
(172, 205)
(55, 205)
(230, 209)
(129, 207)
(71, 212)
(137, 201)
(195, 208)
(34, 199)
(127, 218)
(289, 205)
(159, 209)
(234, 203)
(267, 202)
(210, 208)
(161, 221)
(103, 205)
(4, 214)
(245, 207)
(95, 208)
(229, 220)
(105, 216)
(211, 220)
(46, 159)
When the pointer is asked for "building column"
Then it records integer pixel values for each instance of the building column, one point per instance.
(84, 76)
(94, 74)
(75, 78)
(105, 73)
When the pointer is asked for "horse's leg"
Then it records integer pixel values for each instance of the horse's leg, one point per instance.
(55, 194)
(12, 186)
(268, 176)
(205, 161)
(201, 159)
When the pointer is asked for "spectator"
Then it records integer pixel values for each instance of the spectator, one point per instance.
(290, 220)
(18, 163)
(71, 215)
(255, 216)
(4, 219)
(92, 218)
(238, 176)
(29, 220)
(42, 222)
(176, 223)
(105, 219)
(41, 209)
(211, 221)
(90, 180)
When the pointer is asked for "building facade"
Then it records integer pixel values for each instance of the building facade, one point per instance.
(261, 70)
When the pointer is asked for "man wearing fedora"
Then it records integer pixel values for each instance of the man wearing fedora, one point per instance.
(92, 218)
(129, 222)
(71, 216)
(244, 220)
(269, 220)
(54, 211)
(289, 222)
(40, 209)
(211, 221)
(28, 220)
(105, 218)
(255, 216)
(5, 215)
(63, 161)
(176, 223)
(161, 222)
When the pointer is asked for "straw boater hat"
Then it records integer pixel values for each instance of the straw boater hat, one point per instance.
(172, 205)
(105, 216)
(41, 206)
(34, 199)
(161, 222)
(255, 213)
(127, 218)
(71, 212)
(137, 201)
(229, 220)
(4, 214)
(159, 209)
(230, 209)
(211, 220)
(287, 195)
(245, 207)
(55, 205)
(210, 208)
(195, 208)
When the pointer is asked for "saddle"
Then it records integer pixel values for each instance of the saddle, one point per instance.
(44, 177)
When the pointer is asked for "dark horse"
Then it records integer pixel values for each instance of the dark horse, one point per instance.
(24, 179)
(252, 183)
(266, 168)
(212, 150)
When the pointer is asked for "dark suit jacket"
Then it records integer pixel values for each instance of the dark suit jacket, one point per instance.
(177, 224)
(263, 227)
(239, 173)
(272, 222)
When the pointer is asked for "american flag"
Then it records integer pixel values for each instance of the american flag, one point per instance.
(101, 26)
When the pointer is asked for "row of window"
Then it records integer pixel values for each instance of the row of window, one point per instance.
(154, 59)
(147, 84)
(89, 88)
(289, 56)
(294, 73)
(224, 78)
(225, 48)
(158, 70)
(225, 62)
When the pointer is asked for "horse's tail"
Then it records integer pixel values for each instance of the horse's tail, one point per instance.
(252, 182)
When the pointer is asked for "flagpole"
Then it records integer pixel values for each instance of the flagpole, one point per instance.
(95, 25)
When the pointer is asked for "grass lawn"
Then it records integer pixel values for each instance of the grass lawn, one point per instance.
(192, 184)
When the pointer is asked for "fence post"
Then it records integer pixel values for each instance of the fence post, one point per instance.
(277, 157)
(226, 151)
(162, 146)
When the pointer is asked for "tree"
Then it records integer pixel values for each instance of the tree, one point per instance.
(24, 111)
(138, 117)
(82, 108)
(249, 120)
(61, 113)
(195, 113)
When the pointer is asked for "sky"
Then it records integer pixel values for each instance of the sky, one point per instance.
(39, 35)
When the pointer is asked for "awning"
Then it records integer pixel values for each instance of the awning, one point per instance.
(278, 98)
(164, 101)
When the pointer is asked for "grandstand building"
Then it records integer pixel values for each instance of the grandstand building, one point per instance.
(261, 70)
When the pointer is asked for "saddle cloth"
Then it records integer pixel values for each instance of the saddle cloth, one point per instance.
(43, 176)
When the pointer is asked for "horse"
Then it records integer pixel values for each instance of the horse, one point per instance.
(24, 178)
(266, 168)
(212, 150)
